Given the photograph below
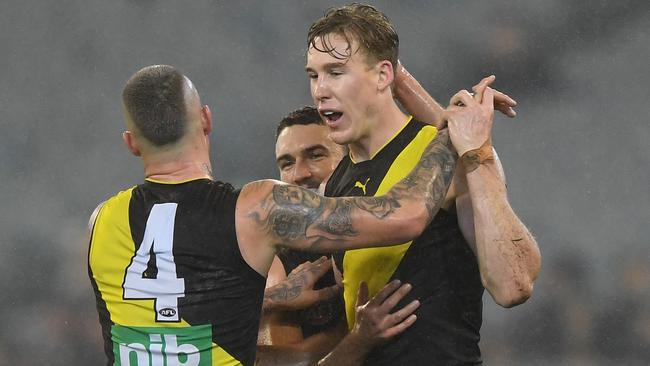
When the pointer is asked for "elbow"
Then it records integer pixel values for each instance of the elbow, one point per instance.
(515, 288)
(512, 294)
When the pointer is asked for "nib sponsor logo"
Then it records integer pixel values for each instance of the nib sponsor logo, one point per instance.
(145, 346)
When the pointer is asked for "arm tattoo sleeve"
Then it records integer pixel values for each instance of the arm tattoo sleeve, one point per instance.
(292, 214)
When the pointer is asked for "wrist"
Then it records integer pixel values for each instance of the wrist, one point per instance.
(361, 343)
(472, 159)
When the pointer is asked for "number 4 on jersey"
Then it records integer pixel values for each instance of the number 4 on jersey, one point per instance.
(163, 287)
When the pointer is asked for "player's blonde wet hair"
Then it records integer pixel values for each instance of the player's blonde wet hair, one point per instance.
(370, 28)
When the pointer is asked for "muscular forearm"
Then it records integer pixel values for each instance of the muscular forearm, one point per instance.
(300, 219)
(416, 99)
(508, 256)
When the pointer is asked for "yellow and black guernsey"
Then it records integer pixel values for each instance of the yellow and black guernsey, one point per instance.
(439, 264)
(171, 285)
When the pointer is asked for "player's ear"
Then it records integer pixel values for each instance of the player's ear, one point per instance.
(206, 119)
(386, 74)
(131, 142)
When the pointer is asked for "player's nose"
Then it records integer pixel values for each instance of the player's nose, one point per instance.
(321, 89)
(301, 171)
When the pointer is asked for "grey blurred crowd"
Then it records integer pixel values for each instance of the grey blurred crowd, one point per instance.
(577, 156)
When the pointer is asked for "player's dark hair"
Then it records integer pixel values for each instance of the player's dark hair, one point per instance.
(154, 99)
(371, 29)
(303, 116)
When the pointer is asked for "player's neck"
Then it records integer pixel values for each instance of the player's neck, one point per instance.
(386, 125)
(172, 172)
(178, 167)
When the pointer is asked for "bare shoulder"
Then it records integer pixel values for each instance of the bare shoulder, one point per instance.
(254, 244)
(254, 196)
(270, 214)
(258, 188)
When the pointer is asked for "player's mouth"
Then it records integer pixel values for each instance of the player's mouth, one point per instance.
(331, 116)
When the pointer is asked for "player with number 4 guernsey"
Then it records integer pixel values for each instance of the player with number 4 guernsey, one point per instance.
(178, 263)
(160, 255)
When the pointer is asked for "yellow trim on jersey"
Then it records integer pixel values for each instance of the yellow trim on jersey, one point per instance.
(110, 254)
(111, 250)
(375, 266)
(179, 182)
(387, 142)
(222, 358)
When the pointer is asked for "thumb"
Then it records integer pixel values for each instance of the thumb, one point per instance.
(323, 267)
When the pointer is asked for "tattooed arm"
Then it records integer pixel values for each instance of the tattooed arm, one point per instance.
(270, 214)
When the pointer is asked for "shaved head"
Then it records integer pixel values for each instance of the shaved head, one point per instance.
(156, 101)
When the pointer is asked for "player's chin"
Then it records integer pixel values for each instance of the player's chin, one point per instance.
(341, 136)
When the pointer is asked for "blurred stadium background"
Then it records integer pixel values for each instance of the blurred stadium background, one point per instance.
(577, 157)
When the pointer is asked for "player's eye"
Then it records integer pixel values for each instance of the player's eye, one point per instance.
(285, 166)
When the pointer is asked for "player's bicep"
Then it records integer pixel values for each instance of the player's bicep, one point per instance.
(277, 214)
